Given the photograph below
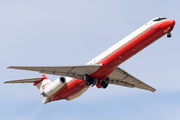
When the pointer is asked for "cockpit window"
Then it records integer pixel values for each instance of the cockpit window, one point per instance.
(159, 19)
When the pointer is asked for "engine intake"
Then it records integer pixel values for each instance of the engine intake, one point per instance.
(63, 80)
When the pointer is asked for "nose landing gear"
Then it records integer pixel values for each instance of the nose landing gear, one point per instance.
(169, 35)
(169, 32)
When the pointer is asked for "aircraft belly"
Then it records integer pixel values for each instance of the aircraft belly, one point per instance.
(79, 92)
(71, 90)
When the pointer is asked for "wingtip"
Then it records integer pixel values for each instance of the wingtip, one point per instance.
(10, 67)
(154, 90)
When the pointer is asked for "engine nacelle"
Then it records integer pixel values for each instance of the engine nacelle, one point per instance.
(54, 87)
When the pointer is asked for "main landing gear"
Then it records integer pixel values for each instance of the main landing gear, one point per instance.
(93, 81)
(89, 80)
(104, 82)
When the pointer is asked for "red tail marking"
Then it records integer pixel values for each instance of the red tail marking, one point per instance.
(37, 82)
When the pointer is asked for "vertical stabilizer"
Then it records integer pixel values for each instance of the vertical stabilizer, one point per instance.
(43, 83)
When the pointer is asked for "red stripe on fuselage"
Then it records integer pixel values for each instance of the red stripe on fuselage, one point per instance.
(111, 62)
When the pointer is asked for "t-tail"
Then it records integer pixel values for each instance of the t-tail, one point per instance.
(45, 86)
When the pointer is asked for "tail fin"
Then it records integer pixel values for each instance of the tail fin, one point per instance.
(43, 83)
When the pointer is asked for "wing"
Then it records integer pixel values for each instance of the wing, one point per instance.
(31, 80)
(69, 71)
(121, 77)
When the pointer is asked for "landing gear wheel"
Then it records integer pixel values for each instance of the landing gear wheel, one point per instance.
(105, 82)
(89, 80)
(88, 83)
(102, 83)
(168, 34)
(105, 85)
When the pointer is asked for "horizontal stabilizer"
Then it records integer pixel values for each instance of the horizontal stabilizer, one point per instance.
(30, 80)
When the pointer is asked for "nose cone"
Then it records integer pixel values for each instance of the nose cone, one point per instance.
(171, 22)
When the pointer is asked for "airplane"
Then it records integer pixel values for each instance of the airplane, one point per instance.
(100, 71)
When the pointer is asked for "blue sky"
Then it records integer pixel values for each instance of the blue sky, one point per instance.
(72, 32)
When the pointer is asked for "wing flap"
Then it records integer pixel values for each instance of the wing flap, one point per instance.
(30, 80)
(69, 71)
(121, 77)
